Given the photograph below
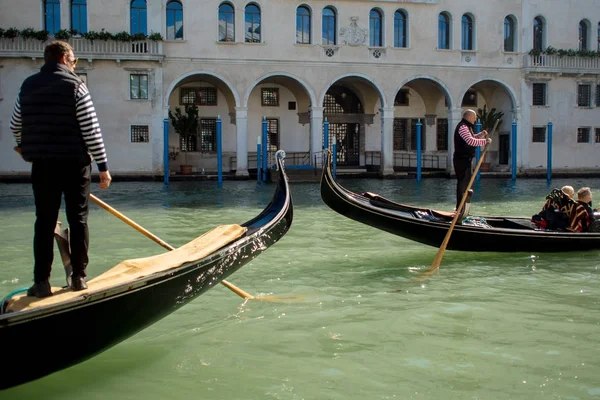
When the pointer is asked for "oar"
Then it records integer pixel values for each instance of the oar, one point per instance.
(158, 240)
(440, 254)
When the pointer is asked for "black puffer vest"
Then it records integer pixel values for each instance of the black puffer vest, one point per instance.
(461, 149)
(50, 127)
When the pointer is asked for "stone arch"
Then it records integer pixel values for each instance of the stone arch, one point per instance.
(438, 81)
(309, 90)
(373, 83)
(219, 81)
(504, 85)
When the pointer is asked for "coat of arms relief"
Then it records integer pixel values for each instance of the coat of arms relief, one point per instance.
(354, 35)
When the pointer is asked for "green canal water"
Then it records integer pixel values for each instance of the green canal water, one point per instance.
(354, 320)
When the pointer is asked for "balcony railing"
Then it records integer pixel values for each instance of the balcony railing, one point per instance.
(546, 63)
(83, 48)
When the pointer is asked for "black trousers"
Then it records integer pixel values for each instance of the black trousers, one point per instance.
(52, 179)
(462, 168)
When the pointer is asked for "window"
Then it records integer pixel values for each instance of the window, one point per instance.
(442, 134)
(138, 86)
(303, 25)
(400, 133)
(401, 98)
(539, 94)
(269, 97)
(252, 24)
(189, 142)
(583, 35)
(400, 21)
(597, 135)
(583, 135)
(226, 23)
(174, 20)
(138, 17)
(79, 16)
(202, 96)
(140, 134)
(444, 31)
(52, 16)
(208, 135)
(509, 34)
(538, 33)
(597, 95)
(413, 136)
(539, 134)
(467, 33)
(470, 99)
(375, 29)
(598, 36)
(329, 26)
(272, 134)
(584, 93)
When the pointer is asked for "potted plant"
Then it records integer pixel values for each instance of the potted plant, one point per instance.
(185, 124)
(488, 120)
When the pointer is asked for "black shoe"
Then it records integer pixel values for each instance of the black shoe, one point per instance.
(78, 283)
(40, 290)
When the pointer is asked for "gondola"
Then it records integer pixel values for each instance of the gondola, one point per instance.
(36, 334)
(423, 225)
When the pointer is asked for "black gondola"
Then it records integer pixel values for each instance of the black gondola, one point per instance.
(106, 314)
(500, 234)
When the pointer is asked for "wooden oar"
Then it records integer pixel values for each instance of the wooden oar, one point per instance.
(440, 254)
(158, 240)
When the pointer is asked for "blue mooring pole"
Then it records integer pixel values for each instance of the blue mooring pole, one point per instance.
(334, 154)
(477, 149)
(166, 151)
(549, 162)
(419, 129)
(219, 152)
(258, 159)
(513, 151)
(325, 138)
(265, 154)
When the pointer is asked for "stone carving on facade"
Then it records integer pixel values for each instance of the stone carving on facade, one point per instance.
(354, 35)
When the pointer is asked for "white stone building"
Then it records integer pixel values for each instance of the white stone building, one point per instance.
(371, 68)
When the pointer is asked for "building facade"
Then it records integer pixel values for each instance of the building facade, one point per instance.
(374, 70)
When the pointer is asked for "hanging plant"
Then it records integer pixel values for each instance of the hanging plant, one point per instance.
(122, 36)
(28, 33)
(156, 37)
(63, 34)
(139, 37)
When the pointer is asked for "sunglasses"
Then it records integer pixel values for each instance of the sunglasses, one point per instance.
(74, 61)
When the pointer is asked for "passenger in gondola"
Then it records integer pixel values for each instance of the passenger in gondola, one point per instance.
(568, 190)
(556, 211)
(582, 215)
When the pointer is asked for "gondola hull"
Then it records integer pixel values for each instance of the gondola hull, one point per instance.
(38, 342)
(505, 234)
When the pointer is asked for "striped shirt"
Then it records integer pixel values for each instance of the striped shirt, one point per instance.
(465, 134)
(88, 123)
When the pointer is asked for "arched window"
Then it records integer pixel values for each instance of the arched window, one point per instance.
(52, 16)
(400, 24)
(303, 25)
(443, 31)
(329, 26)
(138, 17)
(174, 20)
(538, 33)
(509, 34)
(226, 23)
(252, 27)
(583, 36)
(467, 33)
(79, 16)
(375, 28)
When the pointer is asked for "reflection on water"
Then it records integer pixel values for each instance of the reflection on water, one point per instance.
(357, 322)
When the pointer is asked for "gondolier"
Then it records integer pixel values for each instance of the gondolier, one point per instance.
(465, 142)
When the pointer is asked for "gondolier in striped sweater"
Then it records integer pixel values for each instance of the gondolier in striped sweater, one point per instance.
(465, 142)
(56, 129)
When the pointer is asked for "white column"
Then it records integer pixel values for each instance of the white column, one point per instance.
(387, 141)
(454, 117)
(241, 128)
(316, 131)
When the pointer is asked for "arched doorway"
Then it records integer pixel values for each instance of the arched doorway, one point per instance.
(345, 114)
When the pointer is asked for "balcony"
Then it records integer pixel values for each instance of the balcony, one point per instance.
(146, 50)
(563, 65)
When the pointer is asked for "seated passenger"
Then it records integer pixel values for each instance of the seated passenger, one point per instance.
(568, 190)
(555, 212)
(582, 215)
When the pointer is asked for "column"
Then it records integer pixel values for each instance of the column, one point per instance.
(241, 128)
(387, 141)
(316, 131)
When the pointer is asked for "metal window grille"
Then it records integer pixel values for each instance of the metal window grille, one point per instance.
(442, 134)
(400, 133)
(208, 135)
(598, 93)
(539, 94)
(269, 97)
(583, 95)
(583, 135)
(413, 134)
(470, 99)
(140, 134)
(202, 96)
(401, 98)
(189, 143)
(138, 86)
(597, 135)
(272, 134)
(539, 134)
